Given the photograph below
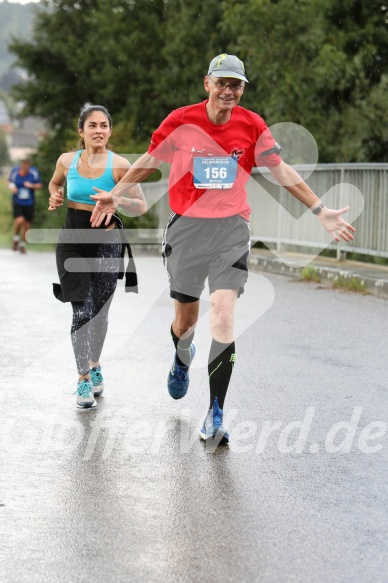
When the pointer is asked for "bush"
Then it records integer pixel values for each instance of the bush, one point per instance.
(4, 153)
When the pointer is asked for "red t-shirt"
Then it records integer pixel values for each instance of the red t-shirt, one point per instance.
(229, 151)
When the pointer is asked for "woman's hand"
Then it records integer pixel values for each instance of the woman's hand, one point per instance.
(104, 209)
(56, 200)
(335, 225)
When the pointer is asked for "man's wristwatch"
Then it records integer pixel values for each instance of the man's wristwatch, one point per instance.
(318, 209)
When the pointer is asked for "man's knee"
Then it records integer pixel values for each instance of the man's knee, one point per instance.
(186, 316)
(183, 324)
(222, 318)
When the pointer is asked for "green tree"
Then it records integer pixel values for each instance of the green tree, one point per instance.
(93, 51)
(140, 58)
(4, 153)
(194, 37)
(319, 63)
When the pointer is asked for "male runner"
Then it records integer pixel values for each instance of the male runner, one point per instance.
(212, 147)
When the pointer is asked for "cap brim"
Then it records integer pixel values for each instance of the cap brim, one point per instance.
(231, 74)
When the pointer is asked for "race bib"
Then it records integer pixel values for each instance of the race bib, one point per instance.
(24, 194)
(214, 172)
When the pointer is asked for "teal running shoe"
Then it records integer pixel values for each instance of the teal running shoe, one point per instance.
(178, 377)
(213, 430)
(85, 398)
(96, 380)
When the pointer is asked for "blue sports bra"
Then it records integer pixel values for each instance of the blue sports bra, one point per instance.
(79, 188)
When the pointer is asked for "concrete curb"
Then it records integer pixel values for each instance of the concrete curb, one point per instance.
(373, 278)
(375, 281)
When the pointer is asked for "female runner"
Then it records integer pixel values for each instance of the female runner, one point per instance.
(89, 260)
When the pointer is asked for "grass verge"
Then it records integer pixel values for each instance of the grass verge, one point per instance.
(6, 219)
(309, 273)
(351, 284)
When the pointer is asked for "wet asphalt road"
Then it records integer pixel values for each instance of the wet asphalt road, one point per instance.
(128, 492)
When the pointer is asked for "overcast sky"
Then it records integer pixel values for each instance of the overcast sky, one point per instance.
(20, 1)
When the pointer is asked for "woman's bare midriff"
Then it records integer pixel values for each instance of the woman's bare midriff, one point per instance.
(86, 207)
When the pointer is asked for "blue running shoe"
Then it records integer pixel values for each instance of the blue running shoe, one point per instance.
(85, 398)
(178, 377)
(97, 380)
(213, 431)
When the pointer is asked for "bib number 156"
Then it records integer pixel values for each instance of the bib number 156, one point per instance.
(215, 173)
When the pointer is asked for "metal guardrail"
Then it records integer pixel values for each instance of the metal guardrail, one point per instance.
(280, 221)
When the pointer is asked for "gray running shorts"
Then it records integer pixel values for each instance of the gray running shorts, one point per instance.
(194, 249)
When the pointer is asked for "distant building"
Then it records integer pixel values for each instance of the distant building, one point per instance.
(22, 136)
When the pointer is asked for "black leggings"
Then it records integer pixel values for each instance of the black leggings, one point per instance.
(90, 317)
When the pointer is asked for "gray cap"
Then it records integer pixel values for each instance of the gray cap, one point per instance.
(227, 66)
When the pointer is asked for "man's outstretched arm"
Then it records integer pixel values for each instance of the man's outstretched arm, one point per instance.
(127, 193)
(331, 219)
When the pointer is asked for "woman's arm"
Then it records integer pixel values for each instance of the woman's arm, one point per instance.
(56, 183)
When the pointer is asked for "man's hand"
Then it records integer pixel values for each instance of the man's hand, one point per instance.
(13, 188)
(105, 207)
(56, 200)
(29, 184)
(335, 225)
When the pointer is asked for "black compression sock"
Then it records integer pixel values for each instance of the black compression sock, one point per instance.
(220, 368)
(182, 347)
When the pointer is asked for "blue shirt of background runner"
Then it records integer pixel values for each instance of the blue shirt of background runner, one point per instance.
(25, 196)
